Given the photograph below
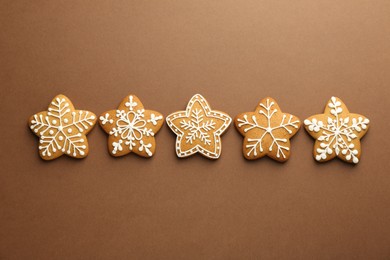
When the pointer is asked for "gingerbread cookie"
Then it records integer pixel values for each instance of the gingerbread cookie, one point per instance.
(198, 129)
(337, 132)
(131, 128)
(62, 129)
(267, 131)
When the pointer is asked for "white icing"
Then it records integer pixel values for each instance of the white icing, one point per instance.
(59, 129)
(337, 133)
(131, 104)
(106, 119)
(132, 127)
(145, 147)
(199, 128)
(257, 143)
(153, 119)
(117, 146)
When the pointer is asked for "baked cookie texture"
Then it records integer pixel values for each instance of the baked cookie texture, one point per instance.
(62, 129)
(131, 128)
(198, 129)
(267, 131)
(337, 132)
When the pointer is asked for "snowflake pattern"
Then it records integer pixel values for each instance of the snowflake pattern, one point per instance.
(337, 132)
(131, 128)
(198, 129)
(62, 129)
(267, 131)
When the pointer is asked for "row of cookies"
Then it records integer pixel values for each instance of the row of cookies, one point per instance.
(131, 128)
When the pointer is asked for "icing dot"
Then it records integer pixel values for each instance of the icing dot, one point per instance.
(54, 121)
(66, 120)
(60, 138)
(51, 132)
(69, 130)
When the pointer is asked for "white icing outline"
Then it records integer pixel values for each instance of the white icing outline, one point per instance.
(215, 154)
(337, 134)
(257, 142)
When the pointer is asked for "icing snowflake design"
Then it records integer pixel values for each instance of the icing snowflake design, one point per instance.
(131, 128)
(267, 131)
(337, 132)
(62, 129)
(198, 129)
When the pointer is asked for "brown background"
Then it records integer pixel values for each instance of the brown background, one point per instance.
(234, 53)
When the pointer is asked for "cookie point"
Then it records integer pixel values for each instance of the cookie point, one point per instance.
(197, 96)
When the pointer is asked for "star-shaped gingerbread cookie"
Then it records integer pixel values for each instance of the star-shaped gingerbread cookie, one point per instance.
(337, 132)
(131, 128)
(267, 131)
(62, 129)
(198, 129)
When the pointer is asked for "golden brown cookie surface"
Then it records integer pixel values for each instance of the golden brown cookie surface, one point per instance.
(62, 129)
(337, 132)
(267, 131)
(131, 128)
(198, 129)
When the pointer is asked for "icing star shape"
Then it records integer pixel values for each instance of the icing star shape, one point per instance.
(62, 129)
(337, 132)
(198, 129)
(267, 131)
(131, 128)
